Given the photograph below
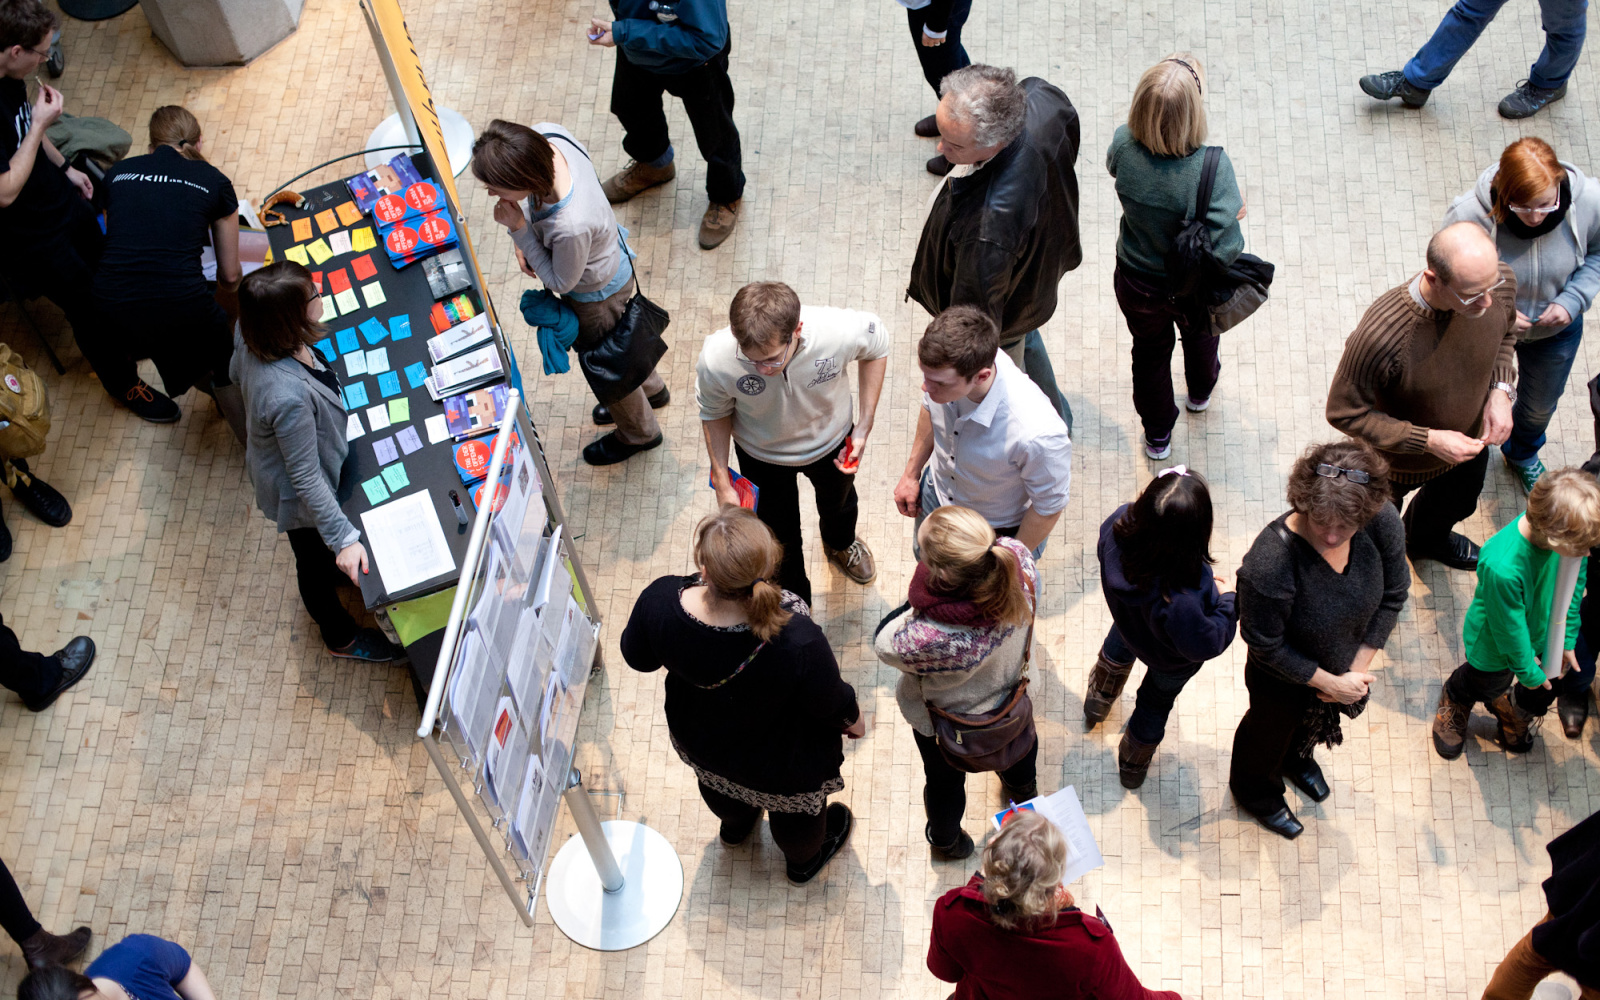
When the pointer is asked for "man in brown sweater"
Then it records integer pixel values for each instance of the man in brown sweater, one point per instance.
(1427, 377)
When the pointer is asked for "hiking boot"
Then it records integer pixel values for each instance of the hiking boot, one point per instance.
(44, 949)
(961, 848)
(1450, 727)
(1528, 100)
(148, 404)
(927, 128)
(1574, 712)
(938, 166)
(1106, 681)
(839, 823)
(1517, 725)
(636, 177)
(1528, 474)
(717, 224)
(855, 561)
(1133, 760)
(370, 645)
(1384, 86)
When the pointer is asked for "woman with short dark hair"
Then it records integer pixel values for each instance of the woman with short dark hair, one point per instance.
(139, 967)
(1319, 593)
(1167, 609)
(295, 447)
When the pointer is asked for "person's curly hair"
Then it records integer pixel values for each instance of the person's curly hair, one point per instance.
(1338, 500)
(1022, 868)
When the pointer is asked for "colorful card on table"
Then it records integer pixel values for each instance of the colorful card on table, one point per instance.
(364, 268)
(300, 229)
(408, 439)
(338, 280)
(347, 341)
(437, 429)
(316, 279)
(395, 476)
(389, 384)
(330, 309)
(298, 255)
(475, 411)
(399, 410)
(355, 394)
(355, 363)
(378, 417)
(327, 221)
(347, 301)
(349, 214)
(472, 456)
(339, 243)
(416, 374)
(362, 239)
(374, 330)
(373, 293)
(378, 361)
(385, 451)
(353, 428)
(325, 348)
(376, 492)
(319, 250)
(399, 327)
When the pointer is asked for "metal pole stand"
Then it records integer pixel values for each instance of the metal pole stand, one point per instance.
(613, 885)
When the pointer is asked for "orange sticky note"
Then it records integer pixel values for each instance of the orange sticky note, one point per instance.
(326, 221)
(301, 228)
(349, 214)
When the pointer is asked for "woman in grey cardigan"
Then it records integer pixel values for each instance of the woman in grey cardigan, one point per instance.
(961, 642)
(295, 447)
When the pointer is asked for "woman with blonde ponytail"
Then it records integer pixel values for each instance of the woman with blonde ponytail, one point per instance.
(961, 642)
(162, 209)
(755, 704)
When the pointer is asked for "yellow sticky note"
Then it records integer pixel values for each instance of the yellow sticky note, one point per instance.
(268, 258)
(373, 293)
(349, 214)
(319, 250)
(362, 239)
(347, 301)
(399, 410)
(326, 221)
(298, 255)
(301, 230)
(329, 310)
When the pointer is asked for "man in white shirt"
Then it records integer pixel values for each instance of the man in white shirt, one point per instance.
(987, 438)
(774, 382)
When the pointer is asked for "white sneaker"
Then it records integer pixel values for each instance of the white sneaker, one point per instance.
(1157, 453)
(1196, 405)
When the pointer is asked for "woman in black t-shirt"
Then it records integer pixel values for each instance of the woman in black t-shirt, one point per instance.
(161, 211)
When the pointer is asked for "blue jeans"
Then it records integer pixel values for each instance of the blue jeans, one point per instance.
(1542, 370)
(928, 502)
(1157, 692)
(1029, 355)
(1564, 23)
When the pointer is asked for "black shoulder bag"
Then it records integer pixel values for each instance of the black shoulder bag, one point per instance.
(1229, 294)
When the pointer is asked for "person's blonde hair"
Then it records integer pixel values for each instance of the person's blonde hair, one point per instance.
(738, 556)
(1168, 115)
(174, 125)
(1022, 869)
(965, 561)
(1564, 507)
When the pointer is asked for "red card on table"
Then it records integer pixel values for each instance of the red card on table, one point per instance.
(316, 279)
(363, 267)
(338, 281)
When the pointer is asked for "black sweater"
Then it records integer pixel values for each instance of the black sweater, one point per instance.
(1570, 939)
(777, 726)
(1296, 614)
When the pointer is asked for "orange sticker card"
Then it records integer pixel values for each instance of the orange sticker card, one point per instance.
(301, 228)
(363, 267)
(338, 280)
(326, 221)
(349, 214)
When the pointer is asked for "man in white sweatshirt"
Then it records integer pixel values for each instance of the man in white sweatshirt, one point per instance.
(774, 382)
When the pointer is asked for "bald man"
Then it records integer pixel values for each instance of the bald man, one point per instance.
(1428, 378)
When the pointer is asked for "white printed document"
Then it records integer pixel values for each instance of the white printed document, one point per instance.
(407, 542)
(1066, 812)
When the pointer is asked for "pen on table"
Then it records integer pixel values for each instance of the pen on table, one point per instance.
(461, 512)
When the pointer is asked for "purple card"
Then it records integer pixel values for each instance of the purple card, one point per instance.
(409, 442)
(384, 449)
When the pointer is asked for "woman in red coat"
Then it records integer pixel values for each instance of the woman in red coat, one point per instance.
(1013, 931)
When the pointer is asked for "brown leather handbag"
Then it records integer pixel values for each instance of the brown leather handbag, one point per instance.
(998, 739)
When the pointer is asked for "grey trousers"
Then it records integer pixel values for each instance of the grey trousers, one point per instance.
(636, 421)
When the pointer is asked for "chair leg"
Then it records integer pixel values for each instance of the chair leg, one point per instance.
(38, 334)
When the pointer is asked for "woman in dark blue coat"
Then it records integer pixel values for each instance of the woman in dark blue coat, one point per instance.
(1167, 609)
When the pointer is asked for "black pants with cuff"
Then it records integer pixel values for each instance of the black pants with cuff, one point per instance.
(945, 793)
(318, 574)
(1441, 503)
(28, 674)
(939, 60)
(707, 96)
(798, 835)
(1468, 685)
(779, 508)
(15, 916)
(1274, 723)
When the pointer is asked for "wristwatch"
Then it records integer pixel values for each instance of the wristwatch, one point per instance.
(1508, 389)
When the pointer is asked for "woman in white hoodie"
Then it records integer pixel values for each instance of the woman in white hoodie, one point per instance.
(1544, 216)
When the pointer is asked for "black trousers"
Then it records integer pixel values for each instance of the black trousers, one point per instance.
(779, 508)
(1273, 724)
(707, 96)
(15, 916)
(1156, 321)
(188, 339)
(945, 793)
(61, 269)
(1468, 685)
(798, 835)
(1441, 503)
(28, 674)
(319, 577)
(939, 60)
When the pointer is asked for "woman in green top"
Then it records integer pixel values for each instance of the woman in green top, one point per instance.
(1156, 159)
(1509, 621)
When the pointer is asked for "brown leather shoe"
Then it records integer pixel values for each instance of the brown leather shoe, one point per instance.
(634, 178)
(717, 225)
(45, 949)
(855, 561)
(1106, 681)
(1450, 727)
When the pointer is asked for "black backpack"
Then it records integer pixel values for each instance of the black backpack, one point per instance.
(1191, 267)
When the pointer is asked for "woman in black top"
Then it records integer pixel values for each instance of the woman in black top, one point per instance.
(161, 211)
(755, 704)
(1319, 593)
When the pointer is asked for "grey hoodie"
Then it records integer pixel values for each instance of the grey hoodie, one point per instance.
(1562, 266)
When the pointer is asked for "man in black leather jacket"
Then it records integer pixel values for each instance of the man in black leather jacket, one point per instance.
(1004, 228)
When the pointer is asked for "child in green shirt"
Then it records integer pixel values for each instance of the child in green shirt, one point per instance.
(1506, 627)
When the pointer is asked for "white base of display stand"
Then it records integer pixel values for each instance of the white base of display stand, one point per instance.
(458, 136)
(613, 921)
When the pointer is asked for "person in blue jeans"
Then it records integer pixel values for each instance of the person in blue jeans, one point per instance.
(1544, 217)
(1564, 23)
(1167, 609)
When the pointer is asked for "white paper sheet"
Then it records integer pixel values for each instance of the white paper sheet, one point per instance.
(472, 693)
(1066, 812)
(530, 824)
(355, 363)
(353, 428)
(378, 416)
(520, 676)
(407, 542)
(377, 360)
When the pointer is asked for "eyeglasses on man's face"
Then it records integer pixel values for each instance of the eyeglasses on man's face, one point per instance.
(1473, 300)
(769, 364)
(1327, 471)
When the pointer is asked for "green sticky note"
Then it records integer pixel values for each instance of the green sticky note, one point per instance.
(399, 410)
(376, 493)
(395, 476)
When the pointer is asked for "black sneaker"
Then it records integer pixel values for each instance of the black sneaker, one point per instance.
(148, 404)
(1383, 86)
(1528, 100)
(42, 500)
(370, 645)
(840, 823)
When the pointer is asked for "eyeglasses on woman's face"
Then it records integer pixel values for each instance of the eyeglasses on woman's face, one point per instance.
(1527, 210)
(1327, 471)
